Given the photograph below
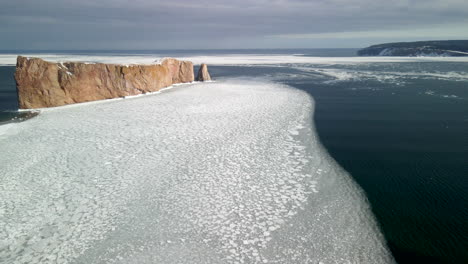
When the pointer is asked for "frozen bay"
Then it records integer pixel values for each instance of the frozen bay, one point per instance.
(227, 172)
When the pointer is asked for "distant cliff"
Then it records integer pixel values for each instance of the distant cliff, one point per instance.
(45, 84)
(419, 48)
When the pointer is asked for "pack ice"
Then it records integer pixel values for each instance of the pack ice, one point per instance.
(226, 172)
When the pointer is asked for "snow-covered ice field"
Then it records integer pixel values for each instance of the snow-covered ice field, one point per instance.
(225, 59)
(224, 172)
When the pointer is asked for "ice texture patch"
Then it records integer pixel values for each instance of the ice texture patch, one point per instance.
(393, 77)
(224, 59)
(225, 172)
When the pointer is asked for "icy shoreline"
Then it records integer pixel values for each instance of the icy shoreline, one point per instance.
(228, 172)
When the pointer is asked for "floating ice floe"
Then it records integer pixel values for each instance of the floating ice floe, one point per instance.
(225, 172)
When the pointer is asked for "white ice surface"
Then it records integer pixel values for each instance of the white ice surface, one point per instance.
(223, 59)
(382, 76)
(292, 59)
(227, 172)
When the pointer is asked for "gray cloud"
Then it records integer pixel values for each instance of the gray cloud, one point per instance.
(114, 24)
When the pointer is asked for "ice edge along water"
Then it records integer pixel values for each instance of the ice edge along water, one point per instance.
(223, 59)
(227, 172)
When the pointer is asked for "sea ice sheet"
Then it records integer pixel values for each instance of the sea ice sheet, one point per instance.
(225, 59)
(227, 172)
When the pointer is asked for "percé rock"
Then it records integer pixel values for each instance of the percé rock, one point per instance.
(181, 71)
(46, 84)
(203, 74)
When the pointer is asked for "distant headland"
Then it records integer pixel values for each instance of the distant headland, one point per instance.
(418, 48)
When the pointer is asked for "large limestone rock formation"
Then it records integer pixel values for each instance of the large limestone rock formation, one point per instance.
(203, 74)
(46, 84)
(181, 71)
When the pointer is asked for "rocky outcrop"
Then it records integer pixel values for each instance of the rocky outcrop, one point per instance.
(181, 71)
(203, 74)
(46, 84)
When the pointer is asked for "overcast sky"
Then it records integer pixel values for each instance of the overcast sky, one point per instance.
(208, 24)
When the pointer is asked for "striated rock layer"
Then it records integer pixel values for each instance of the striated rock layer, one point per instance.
(47, 84)
(181, 71)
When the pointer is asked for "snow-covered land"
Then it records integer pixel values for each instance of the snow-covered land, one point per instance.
(441, 48)
(227, 172)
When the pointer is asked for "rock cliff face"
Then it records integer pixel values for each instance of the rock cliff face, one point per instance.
(181, 71)
(46, 84)
(203, 74)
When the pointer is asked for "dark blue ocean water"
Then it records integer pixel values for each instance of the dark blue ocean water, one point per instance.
(399, 128)
(8, 97)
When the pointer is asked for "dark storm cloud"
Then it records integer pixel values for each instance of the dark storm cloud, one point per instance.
(209, 23)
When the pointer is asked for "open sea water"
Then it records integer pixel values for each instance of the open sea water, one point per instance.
(399, 127)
